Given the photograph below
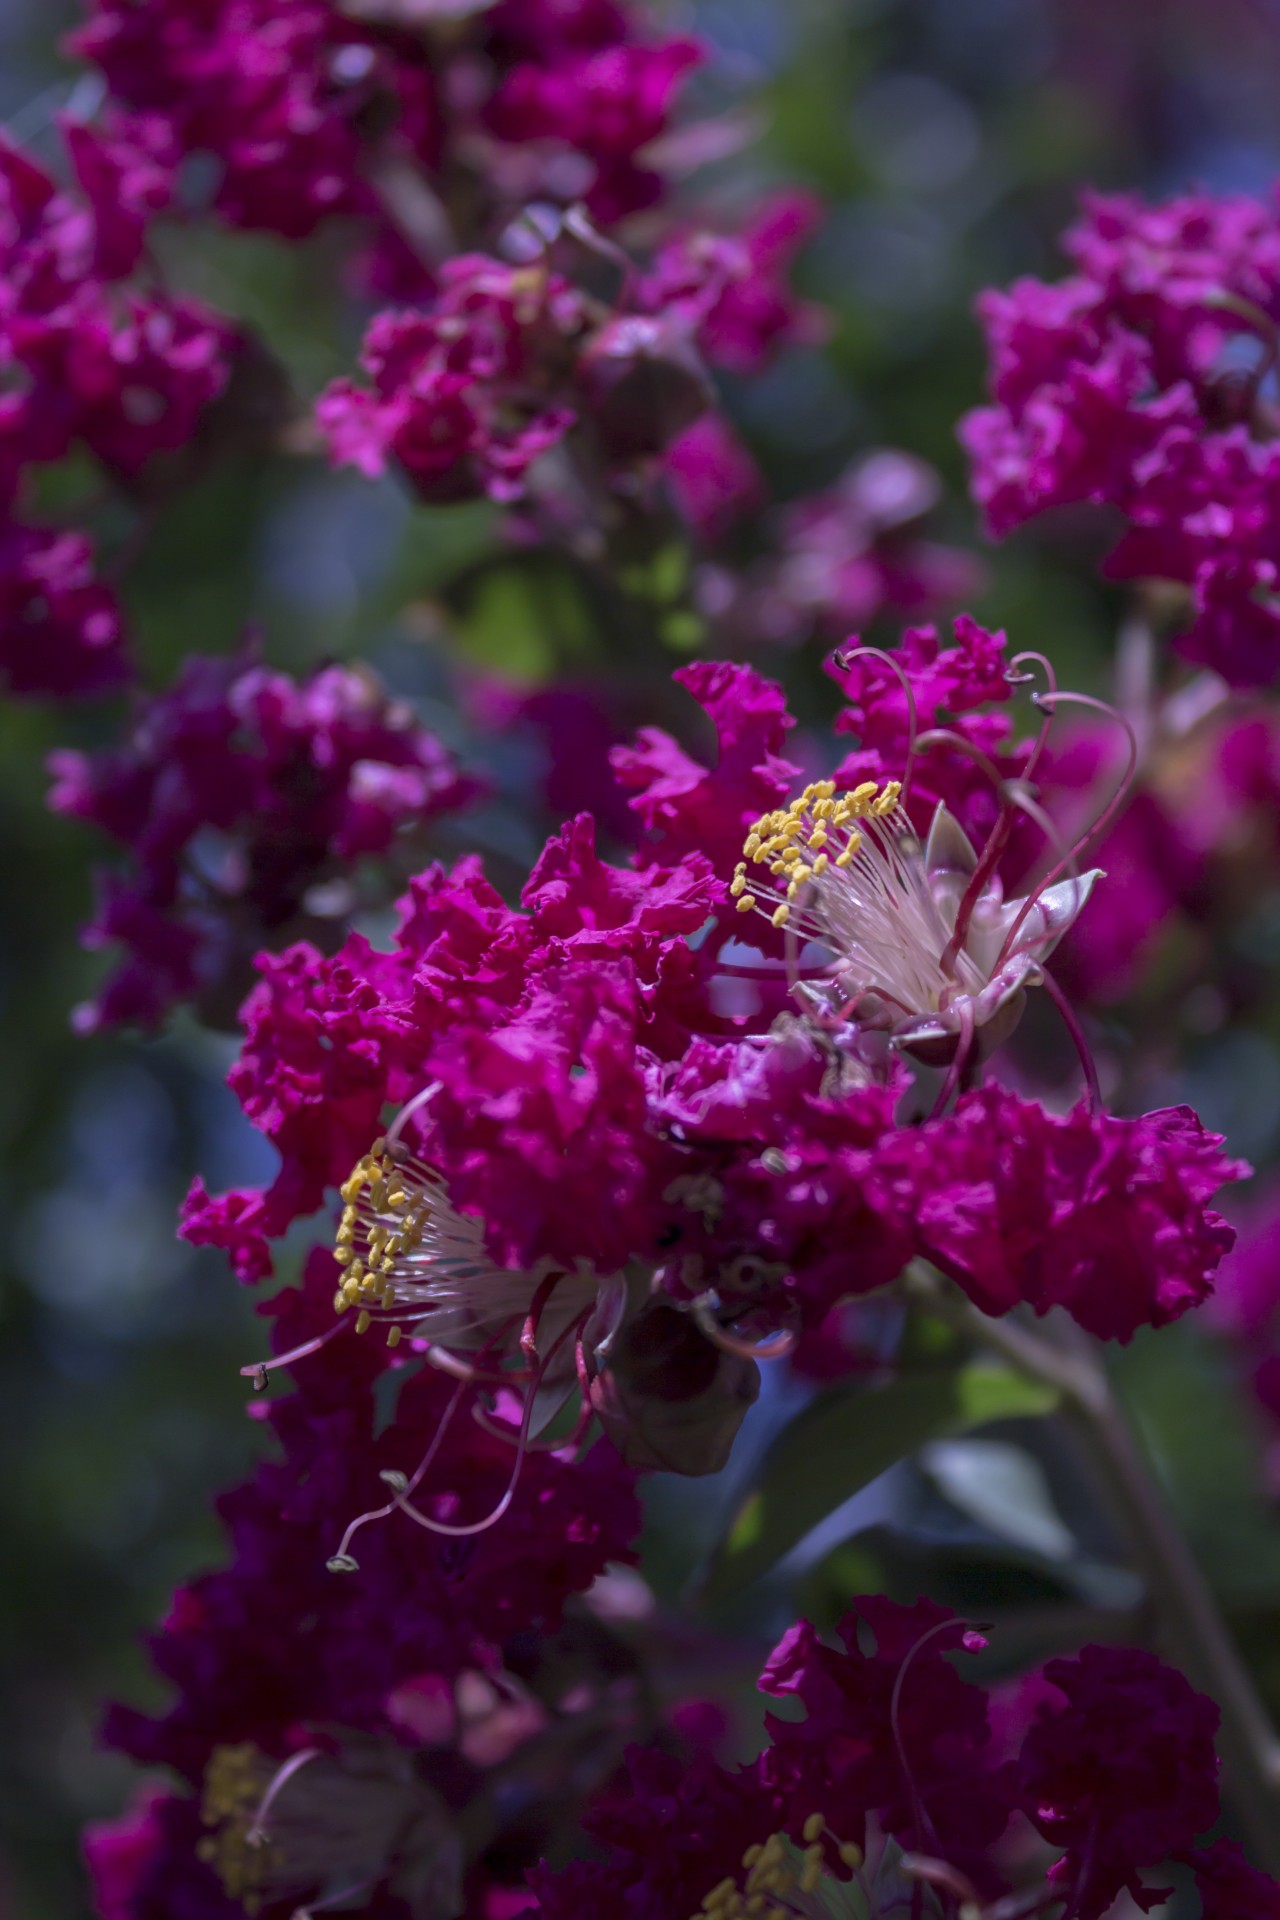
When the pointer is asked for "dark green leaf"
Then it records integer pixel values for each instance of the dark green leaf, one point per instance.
(845, 1439)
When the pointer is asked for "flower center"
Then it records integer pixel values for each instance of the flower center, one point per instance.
(406, 1251)
(782, 1880)
(854, 878)
(235, 1781)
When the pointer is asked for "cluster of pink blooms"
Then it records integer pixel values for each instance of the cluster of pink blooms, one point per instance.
(577, 1166)
(608, 1088)
(901, 1771)
(96, 355)
(240, 794)
(1145, 383)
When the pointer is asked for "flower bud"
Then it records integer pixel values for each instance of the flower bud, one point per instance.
(645, 383)
(668, 1398)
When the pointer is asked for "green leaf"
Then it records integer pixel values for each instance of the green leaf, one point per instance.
(844, 1440)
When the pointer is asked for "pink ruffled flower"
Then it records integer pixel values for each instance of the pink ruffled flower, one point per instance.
(61, 629)
(1103, 1215)
(239, 792)
(282, 95)
(715, 481)
(1124, 386)
(1229, 1888)
(893, 1732)
(331, 1708)
(605, 98)
(731, 289)
(1122, 1777)
(459, 394)
(857, 549)
(128, 373)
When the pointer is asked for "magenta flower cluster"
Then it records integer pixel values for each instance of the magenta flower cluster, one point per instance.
(97, 356)
(1109, 1756)
(606, 1091)
(1143, 383)
(566, 1149)
(239, 794)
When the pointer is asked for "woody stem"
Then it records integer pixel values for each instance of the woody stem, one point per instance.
(1196, 1634)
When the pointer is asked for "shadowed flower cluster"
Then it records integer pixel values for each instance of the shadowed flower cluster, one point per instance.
(1142, 383)
(892, 1792)
(241, 795)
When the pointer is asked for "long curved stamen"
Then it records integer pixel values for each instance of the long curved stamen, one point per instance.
(920, 1819)
(259, 1371)
(404, 1502)
(257, 1833)
(773, 1346)
(409, 1108)
(964, 1046)
(1078, 1041)
(1108, 813)
(331, 1900)
(1017, 679)
(342, 1561)
(843, 657)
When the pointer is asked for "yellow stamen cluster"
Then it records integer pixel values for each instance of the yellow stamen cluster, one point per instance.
(234, 1782)
(779, 1878)
(384, 1217)
(800, 841)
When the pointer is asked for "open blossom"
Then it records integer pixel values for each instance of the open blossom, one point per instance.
(324, 1728)
(916, 949)
(99, 355)
(562, 1139)
(1135, 384)
(283, 95)
(1104, 1215)
(238, 793)
(584, 78)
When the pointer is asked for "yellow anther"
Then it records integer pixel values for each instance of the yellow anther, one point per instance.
(344, 1256)
(752, 1855)
(737, 885)
(781, 915)
(824, 788)
(812, 1828)
(821, 864)
(362, 1319)
(851, 1855)
(888, 799)
(811, 1874)
(398, 1198)
(793, 888)
(751, 842)
(817, 839)
(850, 853)
(393, 1336)
(746, 903)
(824, 809)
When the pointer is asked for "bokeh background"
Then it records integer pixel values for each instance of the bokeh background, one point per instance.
(948, 138)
